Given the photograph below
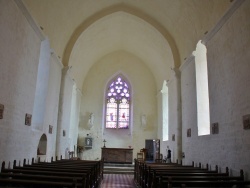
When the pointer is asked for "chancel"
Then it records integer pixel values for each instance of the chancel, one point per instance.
(141, 77)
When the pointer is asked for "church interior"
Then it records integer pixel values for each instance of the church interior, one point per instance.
(180, 70)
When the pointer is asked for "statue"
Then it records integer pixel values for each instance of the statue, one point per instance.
(91, 120)
(144, 120)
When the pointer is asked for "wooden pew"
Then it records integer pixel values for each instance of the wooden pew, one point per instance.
(144, 177)
(154, 174)
(74, 175)
(35, 183)
(190, 179)
(96, 167)
(206, 181)
(138, 171)
(80, 163)
(56, 178)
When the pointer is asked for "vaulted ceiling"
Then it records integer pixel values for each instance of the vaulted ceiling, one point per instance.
(162, 33)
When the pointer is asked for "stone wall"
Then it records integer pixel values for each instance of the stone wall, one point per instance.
(25, 54)
(19, 54)
(228, 78)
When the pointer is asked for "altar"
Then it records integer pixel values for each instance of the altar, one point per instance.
(117, 155)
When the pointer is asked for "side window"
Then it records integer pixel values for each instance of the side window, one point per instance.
(165, 125)
(203, 112)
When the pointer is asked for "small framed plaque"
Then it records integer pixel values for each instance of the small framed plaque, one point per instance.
(189, 133)
(215, 128)
(28, 118)
(246, 121)
(50, 129)
(173, 137)
(88, 142)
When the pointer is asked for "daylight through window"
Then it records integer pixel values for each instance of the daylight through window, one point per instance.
(118, 104)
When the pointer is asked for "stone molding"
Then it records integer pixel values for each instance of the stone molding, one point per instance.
(29, 18)
(189, 60)
(53, 55)
(236, 4)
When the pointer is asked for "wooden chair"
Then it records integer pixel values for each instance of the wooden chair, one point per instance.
(159, 160)
(144, 151)
(140, 156)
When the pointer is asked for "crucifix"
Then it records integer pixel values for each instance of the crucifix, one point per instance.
(104, 143)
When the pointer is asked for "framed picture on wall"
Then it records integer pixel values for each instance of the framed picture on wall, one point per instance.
(173, 137)
(1, 111)
(50, 129)
(215, 128)
(189, 133)
(246, 121)
(88, 142)
(28, 118)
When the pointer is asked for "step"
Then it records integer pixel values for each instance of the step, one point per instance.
(118, 165)
(118, 169)
(118, 172)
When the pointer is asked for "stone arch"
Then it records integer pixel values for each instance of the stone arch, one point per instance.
(113, 9)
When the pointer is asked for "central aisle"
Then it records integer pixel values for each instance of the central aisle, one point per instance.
(118, 180)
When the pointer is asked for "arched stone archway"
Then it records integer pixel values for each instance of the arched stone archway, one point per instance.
(113, 9)
(42, 147)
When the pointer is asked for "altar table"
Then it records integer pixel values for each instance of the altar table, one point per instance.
(117, 155)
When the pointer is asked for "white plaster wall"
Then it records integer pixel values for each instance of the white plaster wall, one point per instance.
(74, 119)
(64, 115)
(144, 101)
(229, 80)
(228, 76)
(173, 119)
(52, 104)
(42, 82)
(189, 111)
(19, 54)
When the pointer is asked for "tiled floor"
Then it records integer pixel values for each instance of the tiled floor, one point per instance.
(118, 180)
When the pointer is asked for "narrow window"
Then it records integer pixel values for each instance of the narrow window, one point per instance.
(164, 92)
(118, 104)
(203, 112)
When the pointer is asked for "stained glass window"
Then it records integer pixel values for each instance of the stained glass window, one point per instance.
(118, 104)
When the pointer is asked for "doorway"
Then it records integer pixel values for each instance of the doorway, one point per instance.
(42, 148)
(152, 147)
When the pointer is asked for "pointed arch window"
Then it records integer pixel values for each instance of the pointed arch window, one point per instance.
(118, 104)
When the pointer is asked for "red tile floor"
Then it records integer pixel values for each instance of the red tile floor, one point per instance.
(118, 180)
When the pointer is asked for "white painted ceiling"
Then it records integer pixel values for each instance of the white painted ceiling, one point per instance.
(159, 32)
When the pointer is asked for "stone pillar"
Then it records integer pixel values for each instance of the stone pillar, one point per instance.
(64, 114)
(175, 112)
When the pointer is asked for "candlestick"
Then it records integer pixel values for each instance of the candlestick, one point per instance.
(104, 143)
